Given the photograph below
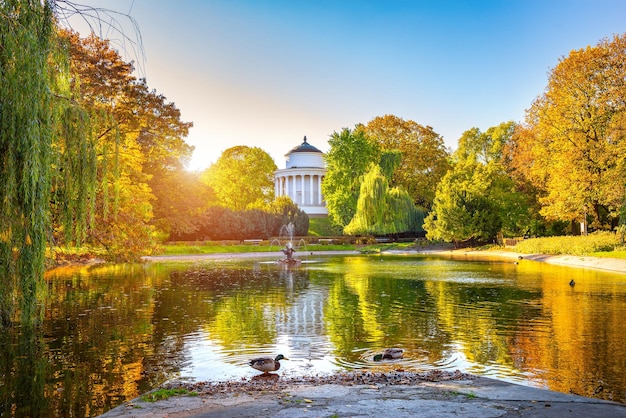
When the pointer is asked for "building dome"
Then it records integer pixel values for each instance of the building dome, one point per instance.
(305, 155)
(304, 147)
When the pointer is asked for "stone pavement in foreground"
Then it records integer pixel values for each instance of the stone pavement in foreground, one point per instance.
(477, 397)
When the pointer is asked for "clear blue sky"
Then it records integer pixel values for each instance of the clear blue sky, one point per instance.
(266, 73)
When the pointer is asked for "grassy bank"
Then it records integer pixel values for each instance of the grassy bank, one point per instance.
(210, 248)
(600, 244)
(216, 248)
(603, 244)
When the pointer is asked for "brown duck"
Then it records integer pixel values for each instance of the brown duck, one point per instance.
(389, 354)
(267, 364)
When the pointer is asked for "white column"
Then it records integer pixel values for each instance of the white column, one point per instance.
(285, 185)
(319, 189)
(311, 202)
(319, 184)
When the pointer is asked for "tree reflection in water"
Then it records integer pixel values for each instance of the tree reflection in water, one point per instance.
(114, 332)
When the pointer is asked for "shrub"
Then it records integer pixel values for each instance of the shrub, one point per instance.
(574, 245)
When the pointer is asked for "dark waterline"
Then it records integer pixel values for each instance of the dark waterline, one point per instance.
(114, 332)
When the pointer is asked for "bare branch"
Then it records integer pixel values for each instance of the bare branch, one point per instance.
(106, 24)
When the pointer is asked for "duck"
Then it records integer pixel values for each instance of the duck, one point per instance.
(389, 354)
(267, 364)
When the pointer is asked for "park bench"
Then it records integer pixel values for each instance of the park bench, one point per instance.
(252, 241)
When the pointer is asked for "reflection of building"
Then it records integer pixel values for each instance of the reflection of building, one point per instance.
(302, 179)
(305, 316)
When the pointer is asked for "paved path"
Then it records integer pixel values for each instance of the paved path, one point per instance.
(476, 397)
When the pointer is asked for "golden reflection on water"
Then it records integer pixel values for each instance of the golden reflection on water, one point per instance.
(114, 332)
(585, 347)
(509, 320)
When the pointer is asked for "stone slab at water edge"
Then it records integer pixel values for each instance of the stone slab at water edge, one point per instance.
(366, 394)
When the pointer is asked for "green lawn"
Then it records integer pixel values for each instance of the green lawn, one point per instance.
(214, 248)
(596, 245)
(181, 249)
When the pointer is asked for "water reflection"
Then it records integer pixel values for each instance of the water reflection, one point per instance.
(114, 332)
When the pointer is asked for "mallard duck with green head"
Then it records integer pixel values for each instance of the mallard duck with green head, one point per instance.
(389, 354)
(267, 364)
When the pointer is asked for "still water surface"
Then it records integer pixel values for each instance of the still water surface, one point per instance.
(114, 332)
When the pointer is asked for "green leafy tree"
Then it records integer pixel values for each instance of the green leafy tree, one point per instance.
(514, 199)
(462, 210)
(219, 222)
(26, 30)
(381, 210)
(488, 146)
(572, 144)
(350, 154)
(64, 140)
(74, 157)
(424, 159)
(410, 156)
(180, 198)
(242, 177)
(286, 212)
(477, 199)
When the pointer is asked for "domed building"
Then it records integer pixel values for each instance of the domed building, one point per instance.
(301, 180)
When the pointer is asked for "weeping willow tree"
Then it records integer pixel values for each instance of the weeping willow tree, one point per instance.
(47, 163)
(26, 30)
(383, 211)
(74, 160)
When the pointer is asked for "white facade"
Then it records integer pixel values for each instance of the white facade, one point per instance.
(302, 179)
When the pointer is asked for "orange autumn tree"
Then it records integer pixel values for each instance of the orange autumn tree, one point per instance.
(572, 146)
(140, 147)
(73, 165)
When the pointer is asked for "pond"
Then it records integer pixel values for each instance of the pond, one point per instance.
(113, 332)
